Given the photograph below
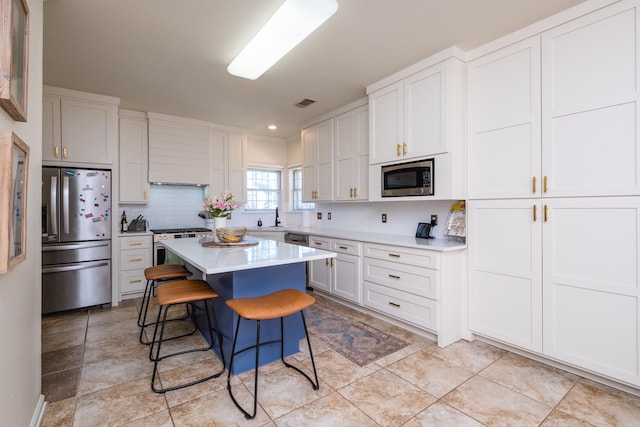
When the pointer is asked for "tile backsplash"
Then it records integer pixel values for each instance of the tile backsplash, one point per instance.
(170, 206)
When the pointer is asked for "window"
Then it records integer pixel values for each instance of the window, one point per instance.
(296, 191)
(263, 189)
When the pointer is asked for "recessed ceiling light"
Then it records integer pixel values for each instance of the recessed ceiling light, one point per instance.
(272, 127)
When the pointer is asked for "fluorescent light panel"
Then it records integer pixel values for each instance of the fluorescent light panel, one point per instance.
(291, 24)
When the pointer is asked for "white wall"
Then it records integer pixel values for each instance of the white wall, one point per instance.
(20, 289)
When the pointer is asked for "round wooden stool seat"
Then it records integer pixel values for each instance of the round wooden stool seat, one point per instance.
(166, 271)
(278, 304)
(183, 291)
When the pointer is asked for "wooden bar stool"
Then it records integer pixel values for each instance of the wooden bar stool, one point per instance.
(156, 275)
(272, 306)
(181, 292)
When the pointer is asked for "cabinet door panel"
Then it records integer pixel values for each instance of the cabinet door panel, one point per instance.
(591, 290)
(590, 104)
(347, 278)
(505, 271)
(51, 145)
(504, 122)
(386, 123)
(87, 131)
(423, 113)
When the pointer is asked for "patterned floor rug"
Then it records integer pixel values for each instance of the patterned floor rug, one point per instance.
(357, 341)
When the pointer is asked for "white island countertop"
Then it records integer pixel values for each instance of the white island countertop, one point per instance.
(266, 253)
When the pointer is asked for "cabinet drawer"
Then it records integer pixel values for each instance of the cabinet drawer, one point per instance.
(402, 305)
(417, 257)
(320, 243)
(132, 281)
(407, 278)
(135, 260)
(142, 242)
(346, 247)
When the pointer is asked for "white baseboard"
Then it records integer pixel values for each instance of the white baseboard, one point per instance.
(38, 412)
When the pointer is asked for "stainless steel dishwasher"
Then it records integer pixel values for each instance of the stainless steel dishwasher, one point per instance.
(300, 240)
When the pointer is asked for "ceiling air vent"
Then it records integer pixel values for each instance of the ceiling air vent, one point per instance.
(304, 103)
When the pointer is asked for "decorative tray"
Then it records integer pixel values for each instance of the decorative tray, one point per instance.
(210, 242)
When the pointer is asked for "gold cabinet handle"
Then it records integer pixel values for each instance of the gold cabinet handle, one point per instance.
(135, 260)
(398, 150)
(145, 194)
(57, 151)
(326, 261)
(394, 255)
(135, 244)
(394, 304)
(355, 192)
(64, 153)
(404, 149)
(393, 276)
(534, 185)
(351, 192)
(546, 213)
(344, 248)
(545, 184)
(535, 213)
(331, 262)
(135, 281)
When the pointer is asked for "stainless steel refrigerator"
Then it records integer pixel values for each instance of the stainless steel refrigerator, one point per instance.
(76, 238)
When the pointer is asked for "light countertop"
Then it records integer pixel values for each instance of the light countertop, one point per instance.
(381, 238)
(266, 253)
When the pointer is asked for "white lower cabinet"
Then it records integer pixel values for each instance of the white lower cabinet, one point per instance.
(341, 276)
(420, 287)
(135, 256)
(559, 277)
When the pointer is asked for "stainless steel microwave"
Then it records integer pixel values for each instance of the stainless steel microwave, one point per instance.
(408, 179)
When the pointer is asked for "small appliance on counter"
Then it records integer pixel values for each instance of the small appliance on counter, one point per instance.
(138, 224)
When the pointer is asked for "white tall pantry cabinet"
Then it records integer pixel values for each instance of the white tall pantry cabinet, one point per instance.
(554, 193)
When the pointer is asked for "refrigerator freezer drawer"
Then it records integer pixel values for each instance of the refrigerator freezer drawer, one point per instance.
(71, 286)
(63, 253)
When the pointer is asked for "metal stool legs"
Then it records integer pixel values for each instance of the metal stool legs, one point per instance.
(314, 384)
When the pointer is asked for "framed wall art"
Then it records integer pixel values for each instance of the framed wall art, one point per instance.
(14, 159)
(14, 57)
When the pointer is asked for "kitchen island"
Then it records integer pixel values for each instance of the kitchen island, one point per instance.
(247, 271)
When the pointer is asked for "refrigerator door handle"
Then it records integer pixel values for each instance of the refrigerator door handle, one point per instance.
(84, 245)
(74, 267)
(53, 206)
(65, 204)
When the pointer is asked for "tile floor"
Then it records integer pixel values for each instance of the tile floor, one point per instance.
(95, 373)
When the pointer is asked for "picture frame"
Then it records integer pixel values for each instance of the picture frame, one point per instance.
(14, 57)
(14, 159)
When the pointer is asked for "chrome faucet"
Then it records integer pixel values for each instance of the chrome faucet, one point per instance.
(277, 217)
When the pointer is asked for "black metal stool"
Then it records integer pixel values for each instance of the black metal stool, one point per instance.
(272, 306)
(156, 275)
(180, 292)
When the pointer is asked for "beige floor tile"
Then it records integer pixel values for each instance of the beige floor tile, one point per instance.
(282, 390)
(161, 419)
(60, 385)
(192, 372)
(338, 371)
(473, 356)
(442, 415)
(601, 405)
(540, 382)
(217, 410)
(495, 405)
(56, 341)
(331, 410)
(125, 345)
(560, 419)
(386, 398)
(64, 358)
(65, 322)
(59, 414)
(112, 329)
(432, 374)
(118, 405)
(113, 315)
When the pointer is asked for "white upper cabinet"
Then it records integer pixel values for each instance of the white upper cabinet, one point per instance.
(134, 157)
(408, 118)
(79, 128)
(590, 104)
(317, 162)
(228, 164)
(178, 150)
(352, 155)
(504, 122)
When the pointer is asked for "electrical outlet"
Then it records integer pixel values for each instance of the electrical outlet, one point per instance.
(384, 217)
(328, 216)
(319, 215)
(434, 220)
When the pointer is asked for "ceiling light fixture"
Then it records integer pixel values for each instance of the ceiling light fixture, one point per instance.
(291, 23)
(272, 127)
